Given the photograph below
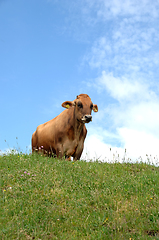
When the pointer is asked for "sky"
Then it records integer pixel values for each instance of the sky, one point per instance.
(53, 50)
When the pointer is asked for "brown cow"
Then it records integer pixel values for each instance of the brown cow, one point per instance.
(64, 135)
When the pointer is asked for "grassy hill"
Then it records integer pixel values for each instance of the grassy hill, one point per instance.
(46, 198)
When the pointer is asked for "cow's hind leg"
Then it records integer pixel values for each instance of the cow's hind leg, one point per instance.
(34, 142)
(59, 151)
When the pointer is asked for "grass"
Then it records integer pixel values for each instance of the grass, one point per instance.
(46, 198)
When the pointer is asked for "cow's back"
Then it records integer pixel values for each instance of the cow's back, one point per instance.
(48, 134)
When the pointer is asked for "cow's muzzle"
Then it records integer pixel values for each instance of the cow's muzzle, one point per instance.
(87, 118)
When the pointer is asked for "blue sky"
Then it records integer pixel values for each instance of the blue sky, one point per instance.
(51, 51)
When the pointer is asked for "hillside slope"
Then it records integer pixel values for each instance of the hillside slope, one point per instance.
(46, 198)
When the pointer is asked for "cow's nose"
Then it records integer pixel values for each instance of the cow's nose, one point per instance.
(88, 118)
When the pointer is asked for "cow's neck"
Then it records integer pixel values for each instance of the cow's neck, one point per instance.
(78, 126)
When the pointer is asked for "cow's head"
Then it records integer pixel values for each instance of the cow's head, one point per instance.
(83, 107)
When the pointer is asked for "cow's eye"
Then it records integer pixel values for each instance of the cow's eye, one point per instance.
(91, 106)
(80, 105)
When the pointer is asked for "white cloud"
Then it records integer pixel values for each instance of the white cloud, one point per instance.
(140, 143)
(133, 121)
(129, 48)
(128, 44)
(114, 8)
(144, 116)
(96, 149)
(8, 151)
(139, 146)
(137, 105)
(123, 88)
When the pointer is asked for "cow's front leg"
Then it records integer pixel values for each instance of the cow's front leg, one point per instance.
(68, 158)
(78, 152)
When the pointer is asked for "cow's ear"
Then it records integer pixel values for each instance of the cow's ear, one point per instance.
(95, 108)
(67, 104)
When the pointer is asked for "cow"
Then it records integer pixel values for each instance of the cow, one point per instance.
(64, 135)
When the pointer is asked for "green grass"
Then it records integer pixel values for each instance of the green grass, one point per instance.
(46, 198)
